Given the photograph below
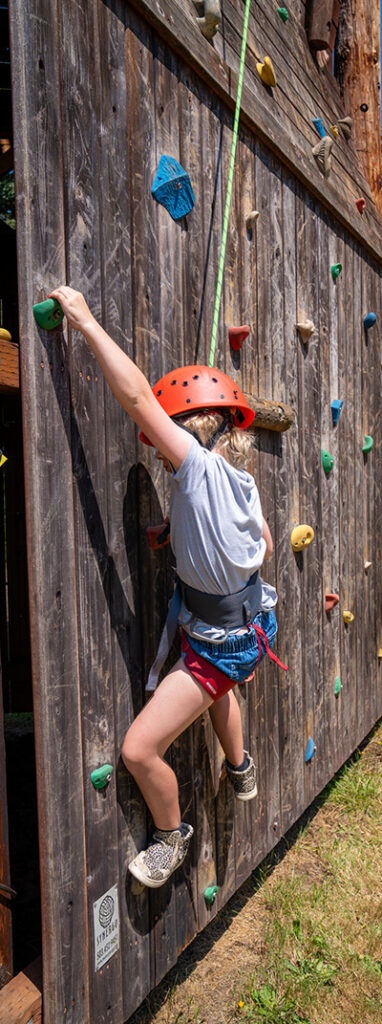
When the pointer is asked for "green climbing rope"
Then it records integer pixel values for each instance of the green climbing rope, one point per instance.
(229, 186)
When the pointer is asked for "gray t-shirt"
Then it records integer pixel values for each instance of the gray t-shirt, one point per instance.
(216, 530)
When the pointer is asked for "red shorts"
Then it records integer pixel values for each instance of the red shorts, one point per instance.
(212, 679)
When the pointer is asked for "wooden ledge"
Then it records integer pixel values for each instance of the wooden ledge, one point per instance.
(21, 999)
(270, 415)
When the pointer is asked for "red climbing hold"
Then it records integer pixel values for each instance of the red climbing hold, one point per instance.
(237, 335)
(330, 601)
(360, 203)
(159, 536)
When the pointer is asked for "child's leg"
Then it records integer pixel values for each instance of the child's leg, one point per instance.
(226, 720)
(177, 702)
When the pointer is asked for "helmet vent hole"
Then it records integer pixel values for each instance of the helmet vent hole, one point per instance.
(159, 393)
(173, 382)
(185, 384)
(221, 396)
(196, 376)
(214, 380)
(188, 400)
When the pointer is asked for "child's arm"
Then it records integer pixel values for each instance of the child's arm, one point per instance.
(126, 381)
(268, 539)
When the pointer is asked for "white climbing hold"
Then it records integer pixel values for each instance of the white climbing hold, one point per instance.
(209, 24)
(346, 124)
(306, 329)
(251, 219)
(322, 154)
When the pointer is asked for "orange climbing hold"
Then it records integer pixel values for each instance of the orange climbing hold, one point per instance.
(360, 204)
(159, 536)
(237, 335)
(330, 601)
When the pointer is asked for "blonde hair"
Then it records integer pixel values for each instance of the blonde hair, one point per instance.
(235, 445)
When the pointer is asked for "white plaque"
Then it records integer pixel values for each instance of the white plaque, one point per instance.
(106, 926)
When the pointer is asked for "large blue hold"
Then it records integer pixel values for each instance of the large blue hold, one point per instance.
(336, 407)
(172, 188)
(369, 320)
(310, 750)
(318, 124)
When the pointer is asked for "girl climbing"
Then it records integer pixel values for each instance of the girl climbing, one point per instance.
(195, 418)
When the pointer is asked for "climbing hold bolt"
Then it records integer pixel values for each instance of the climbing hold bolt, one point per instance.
(3, 459)
(369, 321)
(266, 72)
(348, 616)
(159, 536)
(336, 270)
(327, 461)
(101, 776)
(5, 335)
(48, 314)
(209, 24)
(306, 329)
(368, 443)
(301, 537)
(367, 565)
(252, 217)
(237, 335)
(330, 601)
(346, 124)
(334, 129)
(364, 107)
(210, 893)
(338, 686)
(360, 204)
(282, 11)
(310, 750)
(336, 407)
(322, 154)
(318, 124)
(172, 188)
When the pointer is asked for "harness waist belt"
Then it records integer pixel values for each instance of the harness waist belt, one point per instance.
(226, 611)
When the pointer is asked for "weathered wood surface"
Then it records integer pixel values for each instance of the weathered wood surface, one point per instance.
(270, 415)
(21, 1001)
(98, 592)
(6, 959)
(9, 367)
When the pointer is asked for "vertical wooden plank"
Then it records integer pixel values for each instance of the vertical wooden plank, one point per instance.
(371, 426)
(80, 48)
(359, 504)
(6, 955)
(51, 555)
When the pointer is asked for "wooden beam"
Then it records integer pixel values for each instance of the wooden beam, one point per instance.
(359, 74)
(21, 1001)
(9, 367)
(270, 415)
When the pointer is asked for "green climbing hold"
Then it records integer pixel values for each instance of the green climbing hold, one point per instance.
(338, 686)
(327, 461)
(282, 11)
(336, 270)
(101, 776)
(209, 894)
(368, 443)
(48, 314)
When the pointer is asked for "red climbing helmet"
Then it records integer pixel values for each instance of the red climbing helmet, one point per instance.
(190, 388)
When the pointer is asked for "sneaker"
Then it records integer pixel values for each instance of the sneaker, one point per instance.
(244, 783)
(165, 853)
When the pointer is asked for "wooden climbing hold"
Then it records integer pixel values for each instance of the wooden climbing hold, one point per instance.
(237, 335)
(282, 11)
(310, 750)
(338, 686)
(336, 407)
(269, 415)
(159, 536)
(369, 320)
(301, 537)
(368, 443)
(306, 329)
(322, 154)
(209, 894)
(101, 776)
(334, 129)
(266, 72)
(336, 270)
(360, 204)
(319, 126)
(346, 124)
(348, 616)
(210, 22)
(367, 566)
(330, 601)
(327, 461)
(251, 219)
(48, 314)
(172, 188)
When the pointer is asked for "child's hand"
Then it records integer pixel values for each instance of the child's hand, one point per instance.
(74, 306)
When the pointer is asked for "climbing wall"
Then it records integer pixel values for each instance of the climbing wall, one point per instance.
(100, 97)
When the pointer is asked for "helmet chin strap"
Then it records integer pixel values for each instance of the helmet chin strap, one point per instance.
(210, 444)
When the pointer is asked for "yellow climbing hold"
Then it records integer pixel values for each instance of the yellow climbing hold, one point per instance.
(301, 537)
(348, 616)
(266, 72)
(334, 129)
(380, 653)
(5, 335)
(367, 565)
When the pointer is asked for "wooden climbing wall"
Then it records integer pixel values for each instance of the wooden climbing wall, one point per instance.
(98, 97)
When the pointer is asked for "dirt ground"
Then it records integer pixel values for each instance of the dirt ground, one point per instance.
(205, 983)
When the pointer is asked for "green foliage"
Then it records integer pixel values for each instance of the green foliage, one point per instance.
(265, 1006)
(7, 199)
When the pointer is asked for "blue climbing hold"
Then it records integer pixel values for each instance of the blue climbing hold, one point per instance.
(172, 188)
(318, 124)
(310, 750)
(336, 407)
(369, 320)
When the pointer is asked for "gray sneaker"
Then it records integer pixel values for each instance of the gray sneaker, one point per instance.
(152, 867)
(244, 783)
